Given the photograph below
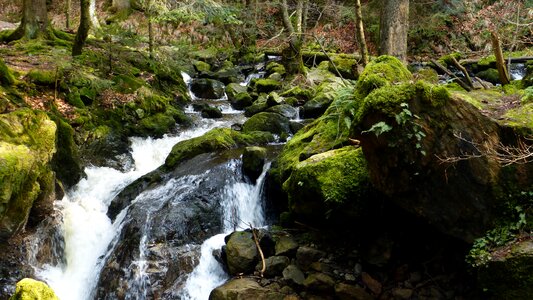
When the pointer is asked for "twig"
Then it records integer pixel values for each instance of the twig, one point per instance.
(463, 70)
(256, 240)
(449, 73)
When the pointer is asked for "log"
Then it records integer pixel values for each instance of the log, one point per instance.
(449, 73)
(500, 61)
(463, 70)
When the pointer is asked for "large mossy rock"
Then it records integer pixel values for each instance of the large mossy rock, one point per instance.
(27, 145)
(508, 275)
(30, 289)
(267, 85)
(382, 71)
(241, 253)
(347, 68)
(6, 77)
(253, 159)
(267, 121)
(325, 93)
(412, 135)
(207, 88)
(244, 289)
(328, 179)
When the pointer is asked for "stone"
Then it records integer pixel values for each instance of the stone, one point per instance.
(244, 289)
(30, 289)
(347, 68)
(345, 291)
(201, 66)
(233, 89)
(400, 293)
(211, 112)
(267, 85)
(253, 159)
(294, 275)
(305, 256)
(286, 245)
(274, 265)
(258, 106)
(319, 282)
(241, 253)
(207, 88)
(267, 121)
(274, 99)
(371, 283)
(241, 101)
(284, 110)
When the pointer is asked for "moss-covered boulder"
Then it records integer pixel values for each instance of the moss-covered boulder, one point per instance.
(233, 89)
(30, 289)
(528, 78)
(299, 93)
(267, 121)
(241, 101)
(259, 105)
(508, 274)
(325, 93)
(327, 180)
(416, 137)
(490, 75)
(207, 88)
(275, 67)
(27, 145)
(382, 71)
(267, 85)
(201, 66)
(43, 77)
(155, 125)
(66, 161)
(253, 159)
(241, 253)
(284, 110)
(347, 68)
(245, 288)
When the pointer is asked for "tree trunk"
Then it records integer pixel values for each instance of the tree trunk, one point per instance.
(292, 55)
(394, 25)
(83, 29)
(68, 8)
(150, 37)
(500, 61)
(360, 33)
(34, 23)
(92, 13)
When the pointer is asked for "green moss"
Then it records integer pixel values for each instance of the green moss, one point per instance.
(74, 99)
(490, 75)
(201, 66)
(527, 96)
(326, 180)
(214, 140)
(521, 118)
(275, 67)
(30, 289)
(446, 60)
(380, 72)
(6, 76)
(127, 84)
(155, 125)
(267, 121)
(267, 85)
(428, 75)
(298, 92)
(43, 77)
(346, 67)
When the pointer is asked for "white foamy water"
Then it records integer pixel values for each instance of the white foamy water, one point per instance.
(242, 207)
(87, 229)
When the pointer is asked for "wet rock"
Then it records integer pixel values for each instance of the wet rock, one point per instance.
(319, 282)
(30, 289)
(211, 112)
(347, 68)
(274, 99)
(284, 110)
(305, 256)
(253, 159)
(233, 89)
(258, 106)
(267, 121)
(345, 291)
(201, 66)
(274, 265)
(275, 67)
(286, 245)
(241, 253)
(400, 293)
(242, 289)
(241, 100)
(294, 275)
(207, 88)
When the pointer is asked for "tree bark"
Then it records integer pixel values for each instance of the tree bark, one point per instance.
(34, 23)
(92, 13)
(83, 29)
(500, 61)
(360, 33)
(292, 55)
(68, 7)
(394, 25)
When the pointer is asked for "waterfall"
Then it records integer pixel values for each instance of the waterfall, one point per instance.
(242, 207)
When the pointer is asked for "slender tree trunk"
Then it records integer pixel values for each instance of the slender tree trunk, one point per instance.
(92, 13)
(150, 37)
(83, 29)
(34, 23)
(68, 8)
(360, 33)
(500, 61)
(292, 55)
(393, 28)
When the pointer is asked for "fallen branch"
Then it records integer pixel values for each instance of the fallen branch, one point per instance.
(256, 240)
(463, 70)
(449, 73)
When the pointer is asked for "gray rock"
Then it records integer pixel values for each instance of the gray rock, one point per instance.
(319, 282)
(207, 88)
(285, 245)
(345, 291)
(305, 256)
(294, 275)
(241, 253)
(274, 265)
(284, 110)
(253, 160)
(242, 289)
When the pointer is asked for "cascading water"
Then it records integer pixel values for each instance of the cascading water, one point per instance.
(242, 207)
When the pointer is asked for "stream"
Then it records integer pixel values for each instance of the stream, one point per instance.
(161, 245)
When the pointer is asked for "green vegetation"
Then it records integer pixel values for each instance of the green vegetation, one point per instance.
(30, 289)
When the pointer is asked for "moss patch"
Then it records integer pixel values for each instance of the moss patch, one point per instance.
(30, 289)
(380, 72)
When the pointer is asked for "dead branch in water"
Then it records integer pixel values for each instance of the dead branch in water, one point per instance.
(256, 240)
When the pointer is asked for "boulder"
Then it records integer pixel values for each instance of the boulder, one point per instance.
(27, 145)
(323, 181)
(267, 121)
(345, 291)
(30, 289)
(244, 289)
(382, 71)
(324, 96)
(228, 76)
(253, 159)
(294, 275)
(241, 253)
(319, 282)
(211, 112)
(207, 88)
(490, 75)
(286, 245)
(258, 106)
(274, 99)
(284, 110)
(299, 93)
(241, 101)
(201, 66)
(267, 85)
(346, 67)
(6, 76)
(305, 256)
(275, 67)
(233, 89)
(274, 265)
